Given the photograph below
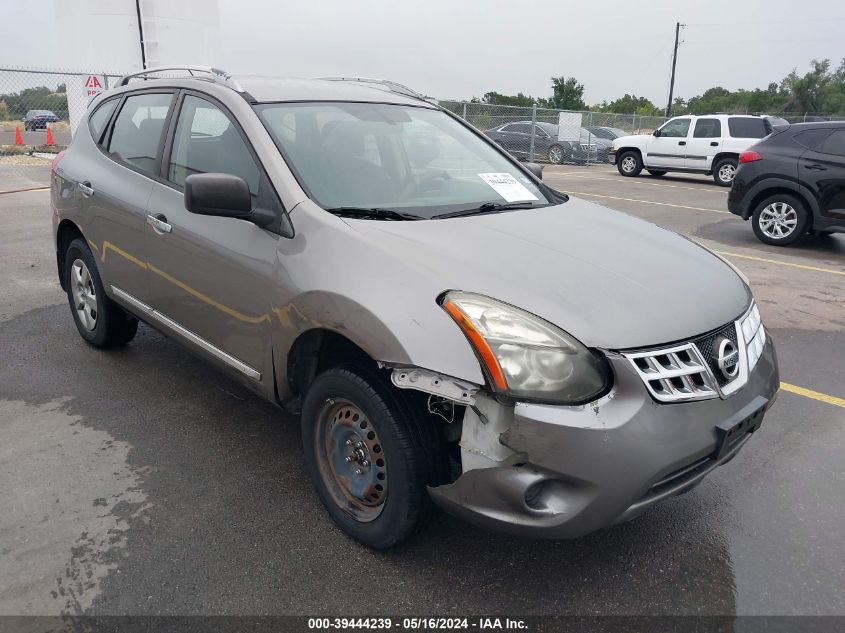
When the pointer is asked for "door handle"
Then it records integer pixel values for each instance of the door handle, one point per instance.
(682, 142)
(86, 188)
(159, 223)
(815, 167)
(714, 143)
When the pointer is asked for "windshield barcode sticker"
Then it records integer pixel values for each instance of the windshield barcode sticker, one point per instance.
(508, 187)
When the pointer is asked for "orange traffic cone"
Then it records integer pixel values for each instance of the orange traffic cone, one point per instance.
(50, 140)
(18, 138)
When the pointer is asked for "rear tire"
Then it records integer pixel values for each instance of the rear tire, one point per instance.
(656, 173)
(371, 455)
(556, 155)
(100, 321)
(724, 172)
(780, 220)
(629, 164)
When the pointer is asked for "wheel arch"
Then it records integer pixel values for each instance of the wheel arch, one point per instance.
(620, 151)
(724, 154)
(318, 349)
(66, 232)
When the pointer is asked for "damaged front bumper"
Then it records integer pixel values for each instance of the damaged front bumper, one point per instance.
(573, 470)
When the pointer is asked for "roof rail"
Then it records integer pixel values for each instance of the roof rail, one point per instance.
(214, 74)
(391, 86)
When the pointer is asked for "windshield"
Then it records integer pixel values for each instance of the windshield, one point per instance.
(415, 160)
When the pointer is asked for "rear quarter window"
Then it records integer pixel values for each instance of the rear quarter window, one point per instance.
(100, 118)
(742, 127)
(811, 139)
(835, 144)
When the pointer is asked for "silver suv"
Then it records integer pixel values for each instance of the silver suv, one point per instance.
(451, 329)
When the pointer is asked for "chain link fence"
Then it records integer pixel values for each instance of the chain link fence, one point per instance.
(39, 111)
(553, 136)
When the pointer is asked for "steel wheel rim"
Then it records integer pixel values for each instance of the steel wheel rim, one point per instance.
(778, 220)
(555, 155)
(351, 460)
(628, 164)
(84, 295)
(727, 173)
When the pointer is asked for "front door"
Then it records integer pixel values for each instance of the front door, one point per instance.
(669, 148)
(211, 277)
(823, 172)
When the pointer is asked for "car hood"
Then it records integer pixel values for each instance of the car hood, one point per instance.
(631, 138)
(611, 280)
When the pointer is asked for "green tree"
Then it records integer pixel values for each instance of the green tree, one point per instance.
(629, 104)
(567, 94)
(513, 100)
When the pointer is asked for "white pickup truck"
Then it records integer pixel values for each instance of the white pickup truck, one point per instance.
(708, 144)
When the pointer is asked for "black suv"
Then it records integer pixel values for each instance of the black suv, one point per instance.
(793, 182)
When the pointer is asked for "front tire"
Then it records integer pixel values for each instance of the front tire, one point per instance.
(99, 320)
(370, 455)
(724, 172)
(629, 164)
(780, 220)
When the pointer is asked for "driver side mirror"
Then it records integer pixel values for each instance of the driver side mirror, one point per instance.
(656, 133)
(221, 195)
(536, 169)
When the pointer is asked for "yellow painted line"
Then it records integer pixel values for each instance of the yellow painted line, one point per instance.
(815, 395)
(662, 204)
(30, 190)
(637, 181)
(782, 263)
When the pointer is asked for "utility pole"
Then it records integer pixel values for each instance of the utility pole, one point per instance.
(141, 34)
(674, 61)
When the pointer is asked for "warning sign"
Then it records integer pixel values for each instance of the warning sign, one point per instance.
(93, 85)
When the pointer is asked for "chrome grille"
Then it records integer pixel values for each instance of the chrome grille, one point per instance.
(675, 374)
(690, 371)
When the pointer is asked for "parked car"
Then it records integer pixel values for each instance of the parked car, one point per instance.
(38, 119)
(516, 139)
(695, 144)
(608, 133)
(793, 182)
(447, 325)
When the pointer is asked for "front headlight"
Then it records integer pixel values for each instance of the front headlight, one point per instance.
(525, 357)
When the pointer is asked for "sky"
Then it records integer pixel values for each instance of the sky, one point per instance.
(457, 49)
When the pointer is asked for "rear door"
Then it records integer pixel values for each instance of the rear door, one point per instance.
(516, 138)
(704, 144)
(669, 149)
(210, 277)
(116, 182)
(822, 171)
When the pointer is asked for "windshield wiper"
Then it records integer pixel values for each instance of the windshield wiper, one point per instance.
(490, 207)
(375, 213)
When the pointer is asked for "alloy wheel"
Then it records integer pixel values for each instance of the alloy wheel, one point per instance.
(556, 155)
(727, 173)
(351, 460)
(628, 164)
(84, 295)
(778, 220)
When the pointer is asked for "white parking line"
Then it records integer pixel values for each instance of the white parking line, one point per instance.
(662, 204)
(636, 181)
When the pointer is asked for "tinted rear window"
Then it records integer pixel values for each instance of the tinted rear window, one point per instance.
(101, 117)
(811, 139)
(835, 143)
(707, 128)
(741, 127)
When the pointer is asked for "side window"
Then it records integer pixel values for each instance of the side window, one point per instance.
(747, 127)
(520, 128)
(538, 131)
(676, 128)
(811, 139)
(835, 144)
(137, 130)
(707, 128)
(100, 117)
(206, 141)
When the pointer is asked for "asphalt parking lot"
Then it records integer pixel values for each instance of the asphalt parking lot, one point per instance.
(141, 481)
